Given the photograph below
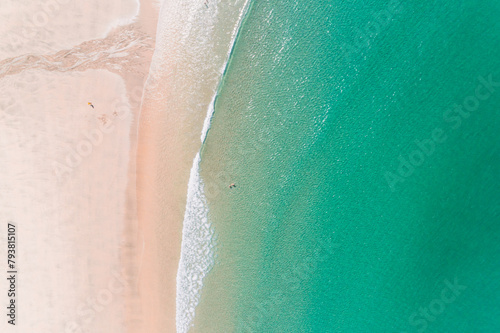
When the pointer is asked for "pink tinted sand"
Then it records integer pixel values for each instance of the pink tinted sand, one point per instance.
(90, 261)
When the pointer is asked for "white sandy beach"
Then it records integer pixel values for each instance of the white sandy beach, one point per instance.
(44, 27)
(65, 181)
(68, 175)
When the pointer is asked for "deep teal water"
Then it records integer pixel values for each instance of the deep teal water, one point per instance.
(328, 230)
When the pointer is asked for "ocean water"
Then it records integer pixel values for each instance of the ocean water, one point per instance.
(362, 137)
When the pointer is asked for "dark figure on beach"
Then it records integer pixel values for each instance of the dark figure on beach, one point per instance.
(90, 103)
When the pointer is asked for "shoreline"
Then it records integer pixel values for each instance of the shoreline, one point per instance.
(187, 66)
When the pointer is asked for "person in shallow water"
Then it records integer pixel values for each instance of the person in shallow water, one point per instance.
(232, 185)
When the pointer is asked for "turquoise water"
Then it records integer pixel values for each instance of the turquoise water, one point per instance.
(322, 110)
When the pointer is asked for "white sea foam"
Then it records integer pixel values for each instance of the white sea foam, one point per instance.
(197, 255)
(208, 120)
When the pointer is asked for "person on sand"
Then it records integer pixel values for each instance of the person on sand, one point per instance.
(90, 103)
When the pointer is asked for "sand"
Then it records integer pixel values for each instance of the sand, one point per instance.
(69, 169)
(65, 177)
(48, 26)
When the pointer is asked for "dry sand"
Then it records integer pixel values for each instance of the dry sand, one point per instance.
(69, 169)
(65, 179)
